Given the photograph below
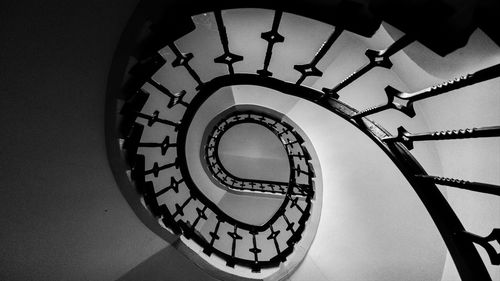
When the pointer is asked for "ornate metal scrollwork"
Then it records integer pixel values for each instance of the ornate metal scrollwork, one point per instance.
(485, 242)
(292, 143)
(180, 206)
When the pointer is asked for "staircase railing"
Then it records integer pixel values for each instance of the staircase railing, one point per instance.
(292, 145)
(184, 206)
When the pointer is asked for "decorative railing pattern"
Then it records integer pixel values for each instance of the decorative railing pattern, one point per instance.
(272, 37)
(378, 58)
(183, 209)
(292, 144)
(227, 57)
(406, 100)
(485, 242)
(310, 69)
(407, 139)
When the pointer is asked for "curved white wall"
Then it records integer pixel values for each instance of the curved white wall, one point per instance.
(62, 214)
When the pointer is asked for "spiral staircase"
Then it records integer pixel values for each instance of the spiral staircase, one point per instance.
(185, 75)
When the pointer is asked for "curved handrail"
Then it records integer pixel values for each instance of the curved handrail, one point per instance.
(218, 170)
(459, 242)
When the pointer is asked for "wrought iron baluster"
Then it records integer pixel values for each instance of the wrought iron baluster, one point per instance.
(285, 131)
(274, 237)
(450, 85)
(148, 191)
(255, 250)
(272, 124)
(164, 145)
(298, 155)
(201, 215)
(294, 203)
(457, 83)
(218, 172)
(252, 184)
(179, 209)
(391, 93)
(272, 37)
(174, 185)
(235, 236)
(380, 58)
(132, 140)
(289, 224)
(227, 57)
(211, 145)
(262, 119)
(183, 59)
(214, 236)
(212, 162)
(407, 139)
(493, 254)
(310, 69)
(290, 143)
(462, 184)
(175, 98)
(156, 168)
(309, 172)
(152, 119)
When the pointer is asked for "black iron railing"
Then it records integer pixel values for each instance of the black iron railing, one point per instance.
(292, 145)
(185, 210)
(181, 206)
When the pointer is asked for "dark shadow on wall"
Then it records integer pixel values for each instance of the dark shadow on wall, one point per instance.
(167, 264)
